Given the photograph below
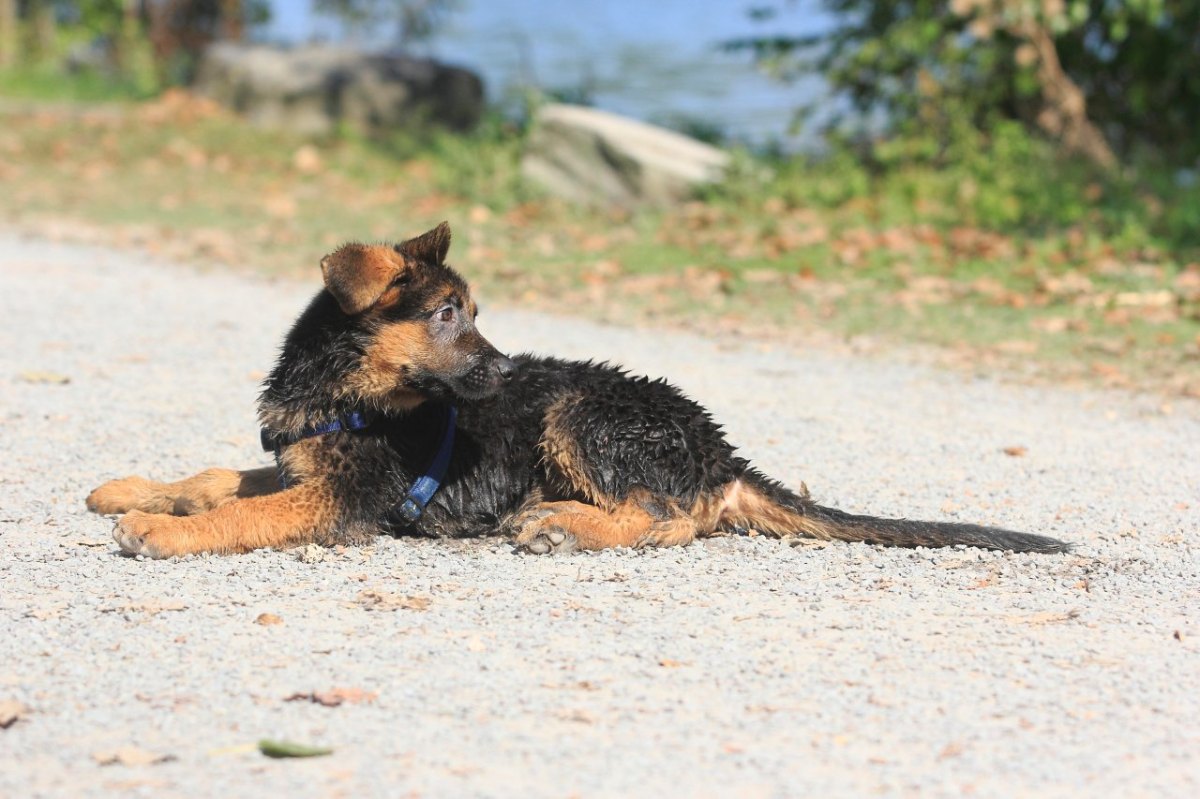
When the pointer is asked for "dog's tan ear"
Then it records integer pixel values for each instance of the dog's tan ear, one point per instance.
(431, 246)
(357, 275)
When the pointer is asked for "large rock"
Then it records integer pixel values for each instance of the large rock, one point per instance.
(315, 89)
(597, 158)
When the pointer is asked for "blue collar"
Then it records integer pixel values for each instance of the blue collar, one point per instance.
(425, 486)
(419, 493)
(274, 442)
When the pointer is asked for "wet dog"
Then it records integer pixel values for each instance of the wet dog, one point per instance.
(389, 412)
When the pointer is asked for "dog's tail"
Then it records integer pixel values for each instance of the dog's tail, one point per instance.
(758, 502)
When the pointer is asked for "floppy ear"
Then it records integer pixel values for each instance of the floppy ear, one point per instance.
(358, 274)
(431, 246)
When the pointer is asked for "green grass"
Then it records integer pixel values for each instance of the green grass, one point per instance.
(54, 84)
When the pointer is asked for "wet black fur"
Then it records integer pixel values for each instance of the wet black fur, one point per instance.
(631, 431)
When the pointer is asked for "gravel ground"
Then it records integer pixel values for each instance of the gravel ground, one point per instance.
(732, 667)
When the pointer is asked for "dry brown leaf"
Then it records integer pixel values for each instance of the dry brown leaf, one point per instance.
(386, 600)
(268, 619)
(130, 756)
(11, 712)
(307, 159)
(335, 696)
(1144, 299)
(951, 750)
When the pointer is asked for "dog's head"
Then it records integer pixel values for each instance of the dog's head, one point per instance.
(415, 320)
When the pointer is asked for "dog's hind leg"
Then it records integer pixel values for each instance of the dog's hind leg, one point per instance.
(638, 521)
(299, 515)
(197, 494)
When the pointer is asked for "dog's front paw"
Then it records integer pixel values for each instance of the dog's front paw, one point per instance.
(546, 540)
(153, 535)
(126, 494)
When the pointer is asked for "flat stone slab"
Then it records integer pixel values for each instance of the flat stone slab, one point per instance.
(597, 158)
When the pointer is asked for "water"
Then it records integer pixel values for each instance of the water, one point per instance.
(656, 60)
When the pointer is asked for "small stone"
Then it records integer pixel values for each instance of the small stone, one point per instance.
(311, 553)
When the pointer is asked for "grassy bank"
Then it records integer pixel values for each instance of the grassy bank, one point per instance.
(995, 260)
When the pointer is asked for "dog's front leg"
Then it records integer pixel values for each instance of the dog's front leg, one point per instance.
(288, 518)
(202, 492)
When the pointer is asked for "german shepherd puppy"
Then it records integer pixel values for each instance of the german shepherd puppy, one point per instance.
(562, 454)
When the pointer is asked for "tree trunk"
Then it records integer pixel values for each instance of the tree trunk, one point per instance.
(45, 29)
(233, 21)
(8, 33)
(1064, 110)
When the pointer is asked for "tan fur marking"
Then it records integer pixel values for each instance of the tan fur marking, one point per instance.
(745, 506)
(397, 347)
(560, 451)
(626, 524)
(358, 274)
(204, 491)
(286, 518)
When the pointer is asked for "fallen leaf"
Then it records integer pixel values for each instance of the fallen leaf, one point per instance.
(130, 756)
(290, 749)
(10, 713)
(335, 696)
(385, 600)
(267, 619)
(37, 376)
(951, 750)
(1016, 451)
(307, 159)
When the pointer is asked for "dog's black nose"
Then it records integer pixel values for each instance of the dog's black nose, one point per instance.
(506, 368)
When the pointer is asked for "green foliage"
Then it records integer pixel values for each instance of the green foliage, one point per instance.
(1006, 180)
(481, 166)
(51, 83)
(925, 68)
(139, 48)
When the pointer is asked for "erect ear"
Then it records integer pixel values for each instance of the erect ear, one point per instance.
(431, 246)
(357, 275)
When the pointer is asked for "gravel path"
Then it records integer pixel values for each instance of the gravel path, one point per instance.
(733, 667)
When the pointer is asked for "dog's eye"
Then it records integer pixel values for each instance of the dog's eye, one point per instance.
(446, 314)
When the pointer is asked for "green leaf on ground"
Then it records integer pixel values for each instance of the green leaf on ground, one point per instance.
(290, 749)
